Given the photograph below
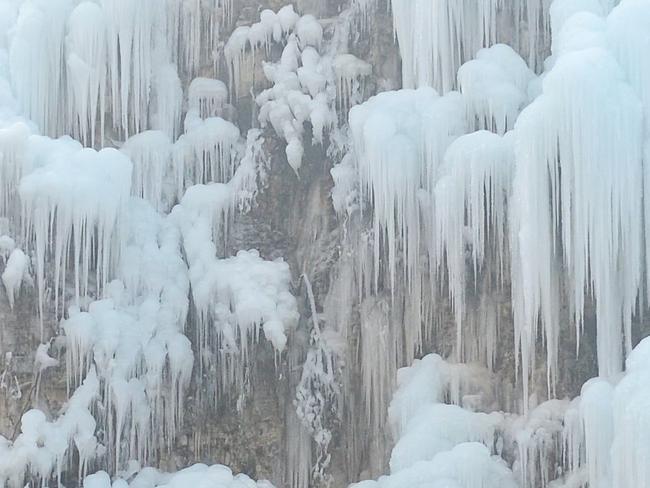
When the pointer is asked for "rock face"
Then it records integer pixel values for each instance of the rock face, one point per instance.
(347, 204)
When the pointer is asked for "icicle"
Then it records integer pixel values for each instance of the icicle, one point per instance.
(350, 72)
(167, 101)
(14, 164)
(495, 87)
(36, 62)
(471, 213)
(73, 205)
(596, 414)
(151, 153)
(207, 152)
(436, 38)
(236, 297)
(13, 274)
(434, 440)
(399, 140)
(538, 437)
(627, 33)
(207, 97)
(86, 70)
(234, 52)
(579, 144)
(130, 28)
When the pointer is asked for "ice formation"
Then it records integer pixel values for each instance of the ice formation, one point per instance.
(436, 442)
(217, 476)
(43, 446)
(492, 212)
(433, 50)
(470, 202)
(399, 141)
(578, 156)
(14, 273)
(74, 196)
(207, 97)
(236, 297)
(206, 152)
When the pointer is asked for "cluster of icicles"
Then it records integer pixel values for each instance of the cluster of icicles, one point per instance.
(89, 69)
(536, 182)
(443, 439)
(118, 240)
(521, 185)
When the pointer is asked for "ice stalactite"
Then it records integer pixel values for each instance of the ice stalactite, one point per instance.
(167, 96)
(301, 92)
(470, 208)
(626, 33)
(436, 38)
(303, 81)
(86, 70)
(192, 31)
(399, 142)
(153, 177)
(14, 164)
(272, 27)
(238, 297)
(36, 62)
(318, 393)
(206, 152)
(566, 144)
(365, 9)
(437, 441)
(207, 97)
(109, 66)
(539, 438)
(73, 204)
(496, 87)
(606, 427)
(133, 339)
(131, 31)
(351, 73)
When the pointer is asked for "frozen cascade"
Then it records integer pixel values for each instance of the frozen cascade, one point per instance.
(433, 50)
(488, 216)
(86, 63)
(134, 339)
(496, 87)
(73, 201)
(14, 164)
(593, 218)
(399, 141)
(206, 152)
(236, 297)
(151, 155)
(351, 73)
(607, 425)
(471, 198)
(36, 62)
(207, 97)
(437, 441)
